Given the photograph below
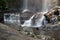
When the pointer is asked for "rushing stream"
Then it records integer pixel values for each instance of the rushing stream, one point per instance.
(41, 21)
(32, 5)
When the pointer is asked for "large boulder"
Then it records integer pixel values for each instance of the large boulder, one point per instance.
(53, 13)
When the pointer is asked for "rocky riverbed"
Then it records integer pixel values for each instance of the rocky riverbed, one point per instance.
(46, 32)
(50, 31)
(9, 33)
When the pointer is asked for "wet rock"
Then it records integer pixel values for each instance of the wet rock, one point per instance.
(53, 15)
(9, 33)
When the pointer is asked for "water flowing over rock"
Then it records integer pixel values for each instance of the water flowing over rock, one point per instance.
(25, 6)
(37, 20)
(34, 7)
(31, 5)
(28, 22)
(25, 10)
(12, 18)
(46, 6)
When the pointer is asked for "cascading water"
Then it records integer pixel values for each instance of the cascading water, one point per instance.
(41, 21)
(29, 23)
(46, 6)
(12, 18)
(25, 6)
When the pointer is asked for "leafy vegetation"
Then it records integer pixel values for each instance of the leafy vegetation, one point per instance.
(3, 5)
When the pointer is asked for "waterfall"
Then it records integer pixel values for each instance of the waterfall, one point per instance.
(28, 22)
(12, 18)
(45, 5)
(48, 4)
(41, 21)
(25, 6)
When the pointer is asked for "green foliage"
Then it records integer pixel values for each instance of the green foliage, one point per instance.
(3, 4)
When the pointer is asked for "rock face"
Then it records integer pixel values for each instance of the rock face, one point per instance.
(53, 14)
(25, 16)
(47, 32)
(12, 18)
(52, 30)
(8, 33)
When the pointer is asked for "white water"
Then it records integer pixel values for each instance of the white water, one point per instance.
(12, 18)
(25, 10)
(28, 23)
(45, 5)
(25, 6)
(41, 21)
(48, 4)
